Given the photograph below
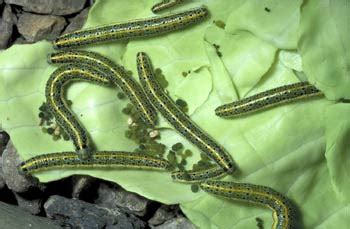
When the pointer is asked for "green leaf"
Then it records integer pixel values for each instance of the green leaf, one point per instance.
(338, 150)
(246, 57)
(275, 22)
(324, 46)
(283, 148)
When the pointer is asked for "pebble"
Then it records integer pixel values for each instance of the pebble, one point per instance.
(75, 213)
(116, 198)
(7, 22)
(33, 206)
(35, 27)
(175, 223)
(55, 7)
(2, 179)
(15, 181)
(164, 213)
(77, 22)
(4, 138)
(14, 217)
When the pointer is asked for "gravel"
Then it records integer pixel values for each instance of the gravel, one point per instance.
(54, 7)
(34, 27)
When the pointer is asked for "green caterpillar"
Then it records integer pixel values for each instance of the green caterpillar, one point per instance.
(116, 74)
(54, 97)
(178, 119)
(100, 159)
(196, 176)
(165, 4)
(283, 211)
(133, 29)
(267, 99)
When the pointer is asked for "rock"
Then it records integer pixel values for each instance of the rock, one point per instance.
(15, 181)
(164, 213)
(4, 139)
(81, 183)
(7, 22)
(74, 213)
(116, 197)
(175, 223)
(2, 179)
(35, 27)
(20, 41)
(14, 217)
(55, 7)
(32, 206)
(77, 22)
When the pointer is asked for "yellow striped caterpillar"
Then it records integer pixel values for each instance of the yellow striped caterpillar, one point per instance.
(133, 29)
(100, 159)
(267, 99)
(54, 98)
(283, 210)
(116, 74)
(196, 176)
(179, 120)
(164, 4)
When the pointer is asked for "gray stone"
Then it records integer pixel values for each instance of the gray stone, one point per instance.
(116, 197)
(32, 206)
(2, 179)
(35, 27)
(75, 213)
(77, 22)
(20, 41)
(80, 183)
(177, 223)
(14, 180)
(13, 217)
(7, 22)
(164, 213)
(55, 7)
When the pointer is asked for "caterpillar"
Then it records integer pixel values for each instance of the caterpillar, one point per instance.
(196, 176)
(54, 98)
(133, 29)
(283, 211)
(164, 4)
(179, 120)
(116, 73)
(267, 99)
(100, 159)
